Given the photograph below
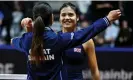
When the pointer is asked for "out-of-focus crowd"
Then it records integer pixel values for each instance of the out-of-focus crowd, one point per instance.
(119, 34)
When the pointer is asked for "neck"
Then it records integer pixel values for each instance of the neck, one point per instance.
(68, 29)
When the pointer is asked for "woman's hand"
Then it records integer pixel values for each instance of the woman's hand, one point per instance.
(26, 23)
(114, 15)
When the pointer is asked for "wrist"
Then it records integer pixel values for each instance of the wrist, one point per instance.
(109, 19)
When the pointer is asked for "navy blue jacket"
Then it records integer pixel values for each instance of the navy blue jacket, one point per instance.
(54, 45)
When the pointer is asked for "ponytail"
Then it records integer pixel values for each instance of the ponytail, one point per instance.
(37, 55)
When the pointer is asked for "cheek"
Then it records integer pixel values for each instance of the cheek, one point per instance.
(74, 21)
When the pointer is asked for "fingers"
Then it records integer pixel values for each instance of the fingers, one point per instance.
(114, 15)
(26, 22)
(23, 22)
(118, 11)
(119, 15)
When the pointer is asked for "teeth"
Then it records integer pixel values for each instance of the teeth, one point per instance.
(67, 22)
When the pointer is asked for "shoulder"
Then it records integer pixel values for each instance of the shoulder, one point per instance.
(26, 38)
(88, 45)
(28, 34)
(90, 42)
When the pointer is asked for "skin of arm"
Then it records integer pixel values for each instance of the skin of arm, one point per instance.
(89, 48)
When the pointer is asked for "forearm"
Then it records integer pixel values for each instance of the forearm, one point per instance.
(91, 31)
(96, 75)
(95, 72)
(92, 61)
(79, 37)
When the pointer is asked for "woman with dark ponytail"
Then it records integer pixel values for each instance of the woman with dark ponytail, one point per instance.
(44, 47)
(37, 42)
(42, 15)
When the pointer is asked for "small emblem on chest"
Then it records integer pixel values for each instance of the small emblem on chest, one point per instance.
(77, 50)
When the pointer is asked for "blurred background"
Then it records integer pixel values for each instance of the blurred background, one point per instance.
(114, 46)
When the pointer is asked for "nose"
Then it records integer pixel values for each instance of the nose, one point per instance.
(67, 17)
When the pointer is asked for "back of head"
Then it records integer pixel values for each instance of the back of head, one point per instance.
(42, 15)
(43, 10)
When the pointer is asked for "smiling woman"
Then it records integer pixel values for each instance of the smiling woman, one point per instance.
(74, 58)
(69, 17)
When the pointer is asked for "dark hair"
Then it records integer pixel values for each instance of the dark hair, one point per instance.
(68, 4)
(42, 15)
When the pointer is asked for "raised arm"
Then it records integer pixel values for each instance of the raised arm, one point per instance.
(85, 34)
(69, 40)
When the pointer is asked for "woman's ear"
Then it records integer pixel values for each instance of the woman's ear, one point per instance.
(78, 19)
